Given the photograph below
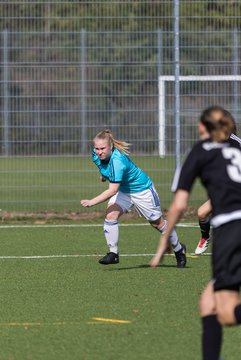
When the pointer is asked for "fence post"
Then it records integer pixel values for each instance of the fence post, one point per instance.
(177, 83)
(6, 143)
(235, 72)
(83, 92)
(159, 52)
(161, 98)
(161, 118)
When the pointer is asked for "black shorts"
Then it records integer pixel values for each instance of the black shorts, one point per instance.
(226, 256)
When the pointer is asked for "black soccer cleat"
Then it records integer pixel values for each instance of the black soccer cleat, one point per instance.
(109, 258)
(181, 257)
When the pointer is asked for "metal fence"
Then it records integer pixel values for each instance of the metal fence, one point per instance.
(70, 69)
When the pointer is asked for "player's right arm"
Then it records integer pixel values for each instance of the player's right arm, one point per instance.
(105, 195)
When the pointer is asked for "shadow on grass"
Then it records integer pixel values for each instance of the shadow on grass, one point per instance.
(143, 266)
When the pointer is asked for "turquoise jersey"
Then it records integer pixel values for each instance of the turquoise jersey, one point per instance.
(120, 169)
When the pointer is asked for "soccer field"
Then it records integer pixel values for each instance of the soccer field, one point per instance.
(58, 302)
(35, 184)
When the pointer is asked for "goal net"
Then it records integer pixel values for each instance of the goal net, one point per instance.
(196, 93)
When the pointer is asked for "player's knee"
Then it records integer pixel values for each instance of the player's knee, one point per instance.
(113, 212)
(225, 315)
(111, 216)
(157, 224)
(201, 213)
(206, 305)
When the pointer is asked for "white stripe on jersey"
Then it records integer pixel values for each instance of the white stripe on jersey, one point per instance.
(236, 138)
(225, 218)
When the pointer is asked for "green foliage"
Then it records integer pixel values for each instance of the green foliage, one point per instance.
(118, 15)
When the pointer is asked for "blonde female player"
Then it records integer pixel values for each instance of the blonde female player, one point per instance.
(217, 161)
(129, 186)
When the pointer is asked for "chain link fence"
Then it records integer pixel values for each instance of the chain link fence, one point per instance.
(70, 69)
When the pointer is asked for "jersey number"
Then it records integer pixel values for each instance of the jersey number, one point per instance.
(233, 169)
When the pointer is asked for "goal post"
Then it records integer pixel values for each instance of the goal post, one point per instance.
(161, 101)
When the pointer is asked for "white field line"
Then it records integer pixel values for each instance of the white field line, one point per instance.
(37, 226)
(36, 257)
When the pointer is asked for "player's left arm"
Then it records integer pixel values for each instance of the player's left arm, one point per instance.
(175, 212)
(105, 195)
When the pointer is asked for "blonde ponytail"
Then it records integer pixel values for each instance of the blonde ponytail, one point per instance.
(107, 135)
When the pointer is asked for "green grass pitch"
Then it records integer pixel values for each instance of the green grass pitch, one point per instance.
(48, 304)
(36, 184)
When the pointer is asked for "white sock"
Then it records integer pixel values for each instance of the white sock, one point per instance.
(111, 231)
(173, 238)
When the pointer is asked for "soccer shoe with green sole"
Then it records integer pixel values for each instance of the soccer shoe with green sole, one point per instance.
(109, 258)
(181, 257)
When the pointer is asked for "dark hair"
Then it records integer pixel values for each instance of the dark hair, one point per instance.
(219, 123)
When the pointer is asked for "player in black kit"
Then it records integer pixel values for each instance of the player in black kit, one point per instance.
(205, 210)
(217, 162)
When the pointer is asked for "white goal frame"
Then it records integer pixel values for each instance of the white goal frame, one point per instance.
(161, 101)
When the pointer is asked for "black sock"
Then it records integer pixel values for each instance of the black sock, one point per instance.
(237, 313)
(211, 337)
(205, 227)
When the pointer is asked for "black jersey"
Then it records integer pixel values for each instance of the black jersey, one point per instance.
(218, 165)
(236, 138)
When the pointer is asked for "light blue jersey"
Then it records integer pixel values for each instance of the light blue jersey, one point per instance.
(120, 169)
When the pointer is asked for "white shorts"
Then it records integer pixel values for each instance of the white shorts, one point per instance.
(146, 202)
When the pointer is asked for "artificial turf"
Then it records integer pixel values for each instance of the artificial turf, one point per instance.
(49, 305)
